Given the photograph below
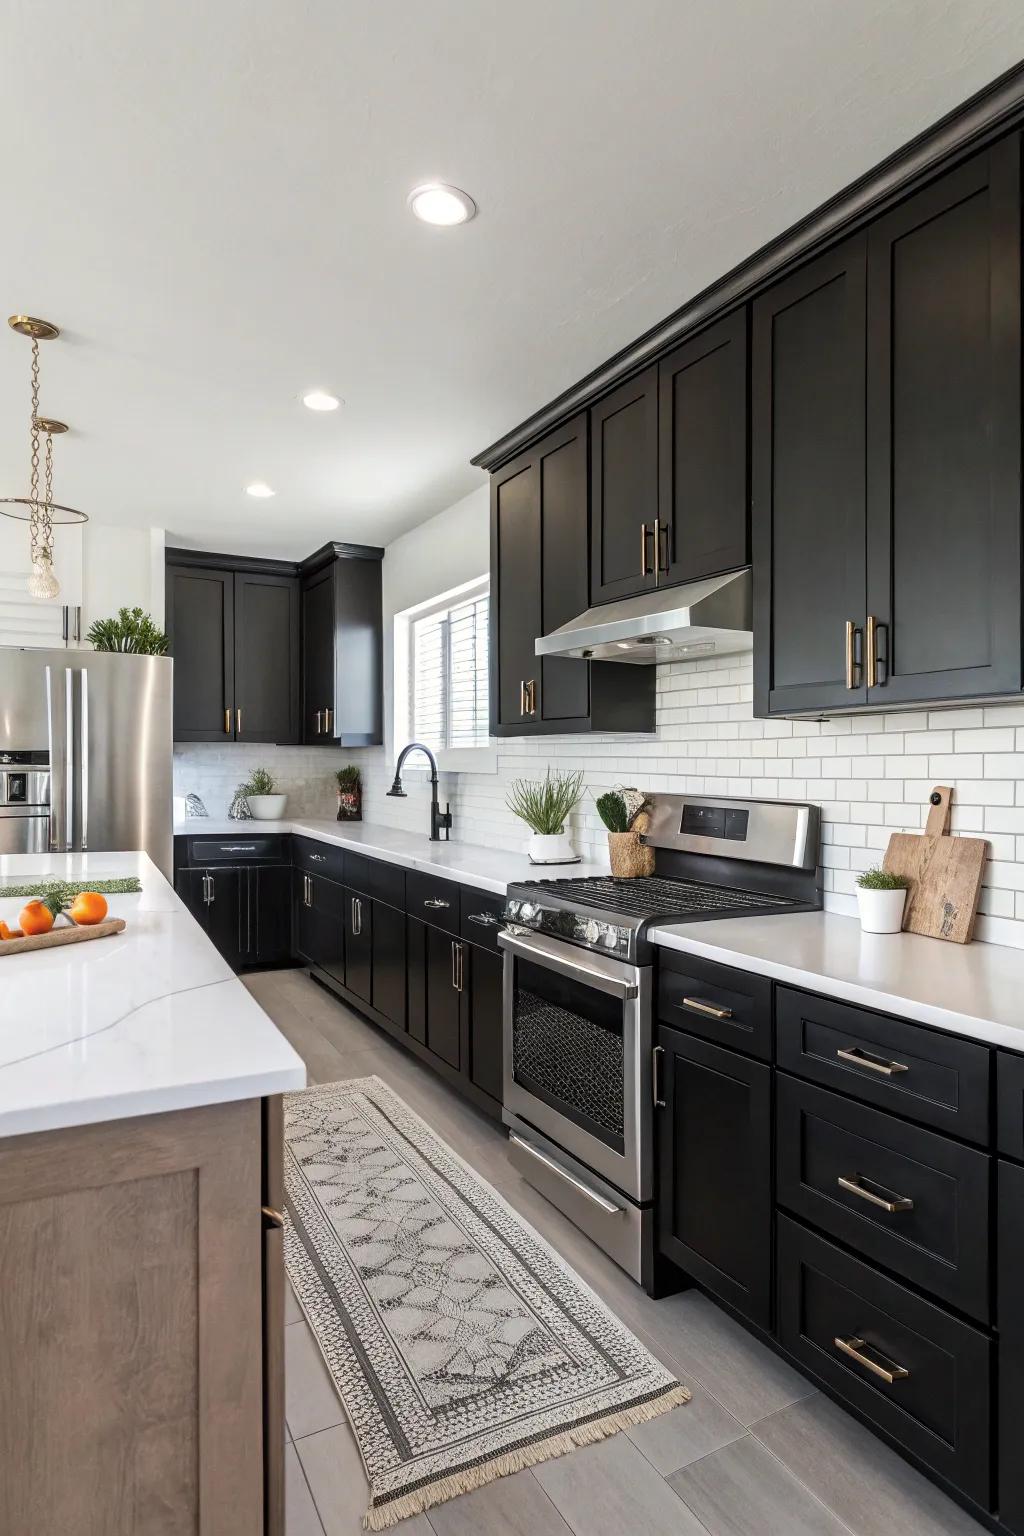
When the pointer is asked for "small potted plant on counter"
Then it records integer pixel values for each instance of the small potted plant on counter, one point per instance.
(350, 794)
(261, 792)
(624, 813)
(545, 805)
(881, 898)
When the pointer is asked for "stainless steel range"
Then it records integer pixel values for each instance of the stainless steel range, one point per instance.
(578, 987)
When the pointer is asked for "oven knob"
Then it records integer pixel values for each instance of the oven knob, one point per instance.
(527, 910)
(591, 932)
(610, 938)
(511, 909)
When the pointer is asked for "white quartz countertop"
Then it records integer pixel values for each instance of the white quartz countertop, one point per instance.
(152, 1019)
(490, 869)
(971, 989)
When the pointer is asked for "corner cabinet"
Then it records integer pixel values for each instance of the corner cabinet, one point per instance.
(886, 456)
(539, 581)
(342, 647)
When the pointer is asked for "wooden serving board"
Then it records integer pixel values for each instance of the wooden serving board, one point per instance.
(944, 873)
(62, 935)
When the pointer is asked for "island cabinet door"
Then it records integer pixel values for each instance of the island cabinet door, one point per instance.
(131, 1359)
(274, 1283)
(714, 1169)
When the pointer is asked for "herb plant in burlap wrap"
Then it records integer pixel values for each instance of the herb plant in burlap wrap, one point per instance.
(624, 813)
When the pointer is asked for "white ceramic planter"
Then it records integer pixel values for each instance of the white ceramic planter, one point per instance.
(550, 848)
(881, 911)
(267, 807)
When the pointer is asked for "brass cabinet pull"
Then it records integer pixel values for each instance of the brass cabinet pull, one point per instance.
(878, 1364)
(522, 698)
(643, 549)
(857, 1056)
(852, 663)
(858, 1186)
(871, 644)
(238, 722)
(318, 717)
(456, 965)
(227, 722)
(272, 1217)
(327, 722)
(711, 1009)
(531, 697)
(656, 1055)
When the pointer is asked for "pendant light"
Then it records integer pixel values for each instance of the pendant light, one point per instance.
(40, 513)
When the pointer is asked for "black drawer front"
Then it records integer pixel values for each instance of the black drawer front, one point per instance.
(939, 1241)
(480, 917)
(358, 872)
(387, 883)
(319, 858)
(237, 850)
(917, 1072)
(939, 1411)
(1010, 1104)
(726, 1006)
(432, 900)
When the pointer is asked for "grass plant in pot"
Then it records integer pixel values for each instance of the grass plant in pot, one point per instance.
(546, 805)
(624, 813)
(881, 898)
(261, 792)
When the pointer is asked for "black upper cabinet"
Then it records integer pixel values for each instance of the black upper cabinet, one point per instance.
(624, 489)
(342, 628)
(944, 403)
(266, 657)
(808, 440)
(703, 517)
(200, 604)
(539, 582)
(886, 456)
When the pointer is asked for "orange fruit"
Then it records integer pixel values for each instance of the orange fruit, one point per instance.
(35, 918)
(88, 907)
(9, 933)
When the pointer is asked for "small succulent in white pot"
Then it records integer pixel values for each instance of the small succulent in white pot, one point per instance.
(545, 805)
(881, 898)
(261, 792)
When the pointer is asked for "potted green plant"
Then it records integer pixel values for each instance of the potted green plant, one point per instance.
(265, 803)
(881, 898)
(131, 631)
(624, 813)
(350, 794)
(545, 805)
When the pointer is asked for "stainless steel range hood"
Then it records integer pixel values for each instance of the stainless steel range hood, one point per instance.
(702, 618)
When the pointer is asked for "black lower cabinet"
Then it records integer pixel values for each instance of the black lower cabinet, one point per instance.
(388, 943)
(245, 910)
(433, 960)
(1011, 1344)
(270, 906)
(714, 1159)
(320, 923)
(481, 1015)
(918, 1373)
(359, 945)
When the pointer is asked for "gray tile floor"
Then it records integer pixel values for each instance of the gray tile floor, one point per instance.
(756, 1453)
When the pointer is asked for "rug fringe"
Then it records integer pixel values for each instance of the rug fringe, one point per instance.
(380, 1518)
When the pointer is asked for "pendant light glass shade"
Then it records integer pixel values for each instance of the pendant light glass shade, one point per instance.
(43, 582)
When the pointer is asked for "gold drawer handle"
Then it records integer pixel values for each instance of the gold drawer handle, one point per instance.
(857, 1056)
(711, 1009)
(891, 1203)
(273, 1217)
(880, 1366)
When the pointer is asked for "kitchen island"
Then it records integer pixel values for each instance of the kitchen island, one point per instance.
(141, 1258)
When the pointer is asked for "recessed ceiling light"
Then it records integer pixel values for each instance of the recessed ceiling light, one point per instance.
(320, 400)
(436, 203)
(259, 488)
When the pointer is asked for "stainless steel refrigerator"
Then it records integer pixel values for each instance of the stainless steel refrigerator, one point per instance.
(103, 720)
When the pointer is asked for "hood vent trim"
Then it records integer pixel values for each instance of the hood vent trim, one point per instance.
(700, 618)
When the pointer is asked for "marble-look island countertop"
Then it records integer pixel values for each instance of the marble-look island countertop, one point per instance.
(152, 1019)
(489, 869)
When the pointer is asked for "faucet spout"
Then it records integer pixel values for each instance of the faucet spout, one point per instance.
(440, 821)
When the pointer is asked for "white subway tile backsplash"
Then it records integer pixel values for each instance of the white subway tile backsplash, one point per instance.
(871, 774)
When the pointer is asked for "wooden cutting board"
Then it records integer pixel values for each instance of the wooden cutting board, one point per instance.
(58, 936)
(944, 873)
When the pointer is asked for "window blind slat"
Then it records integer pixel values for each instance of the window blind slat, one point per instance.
(448, 674)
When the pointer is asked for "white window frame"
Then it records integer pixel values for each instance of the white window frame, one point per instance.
(481, 759)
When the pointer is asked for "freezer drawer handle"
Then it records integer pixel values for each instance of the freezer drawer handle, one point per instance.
(878, 1364)
(563, 1173)
(857, 1056)
(856, 1185)
(712, 1010)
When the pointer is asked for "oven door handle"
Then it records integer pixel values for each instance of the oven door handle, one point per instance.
(597, 971)
(563, 1173)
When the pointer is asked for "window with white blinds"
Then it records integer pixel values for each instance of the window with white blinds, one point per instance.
(448, 674)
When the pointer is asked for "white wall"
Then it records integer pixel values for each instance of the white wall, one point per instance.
(122, 568)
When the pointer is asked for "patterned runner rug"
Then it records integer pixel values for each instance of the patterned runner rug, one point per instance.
(462, 1346)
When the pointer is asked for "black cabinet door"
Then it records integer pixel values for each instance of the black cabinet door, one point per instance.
(714, 1170)
(443, 959)
(320, 923)
(944, 448)
(1011, 1345)
(624, 489)
(227, 913)
(270, 888)
(515, 594)
(318, 658)
(359, 945)
(266, 640)
(808, 484)
(564, 684)
(482, 973)
(388, 941)
(702, 454)
(200, 629)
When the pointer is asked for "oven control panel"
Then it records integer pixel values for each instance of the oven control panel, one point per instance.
(574, 927)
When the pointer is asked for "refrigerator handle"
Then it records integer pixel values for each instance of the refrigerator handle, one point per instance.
(69, 758)
(84, 757)
(56, 730)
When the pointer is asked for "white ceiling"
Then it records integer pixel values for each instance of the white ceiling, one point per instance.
(210, 198)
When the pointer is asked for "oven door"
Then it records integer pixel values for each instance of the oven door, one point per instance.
(576, 1037)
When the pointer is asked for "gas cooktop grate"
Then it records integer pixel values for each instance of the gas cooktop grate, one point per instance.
(650, 897)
